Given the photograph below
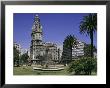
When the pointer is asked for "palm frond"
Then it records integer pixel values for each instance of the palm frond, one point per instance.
(88, 23)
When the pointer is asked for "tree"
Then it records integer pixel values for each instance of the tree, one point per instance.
(68, 43)
(89, 26)
(87, 50)
(90, 65)
(84, 65)
(75, 67)
(24, 58)
(16, 57)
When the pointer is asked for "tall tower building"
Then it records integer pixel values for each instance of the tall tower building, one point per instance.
(36, 35)
(38, 47)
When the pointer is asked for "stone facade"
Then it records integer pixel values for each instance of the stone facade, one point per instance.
(78, 49)
(38, 47)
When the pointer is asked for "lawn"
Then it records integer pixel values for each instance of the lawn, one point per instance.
(28, 70)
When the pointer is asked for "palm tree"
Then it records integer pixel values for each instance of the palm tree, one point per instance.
(87, 50)
(68, 43)
(89, 26)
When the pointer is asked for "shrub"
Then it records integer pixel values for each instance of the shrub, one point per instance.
(84, 65)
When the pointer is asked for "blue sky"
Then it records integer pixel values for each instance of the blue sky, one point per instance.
(56, 26)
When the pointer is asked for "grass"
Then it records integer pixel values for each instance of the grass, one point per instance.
(28, 70)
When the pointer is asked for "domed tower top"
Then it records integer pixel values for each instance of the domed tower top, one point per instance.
(37, 15)
(37, 25)
(36, 29)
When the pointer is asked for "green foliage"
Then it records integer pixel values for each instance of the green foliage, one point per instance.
(88, 26)
(87, 50)
(24, 58)
(16, 57)
(88, 23)
(68, 43)
(84, 65)
(75, 66)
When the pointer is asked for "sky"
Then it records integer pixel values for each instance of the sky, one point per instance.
(56, 26)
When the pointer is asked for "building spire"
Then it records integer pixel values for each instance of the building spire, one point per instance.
(37, 25)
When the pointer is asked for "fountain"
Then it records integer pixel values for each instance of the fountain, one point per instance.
(48, 65)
